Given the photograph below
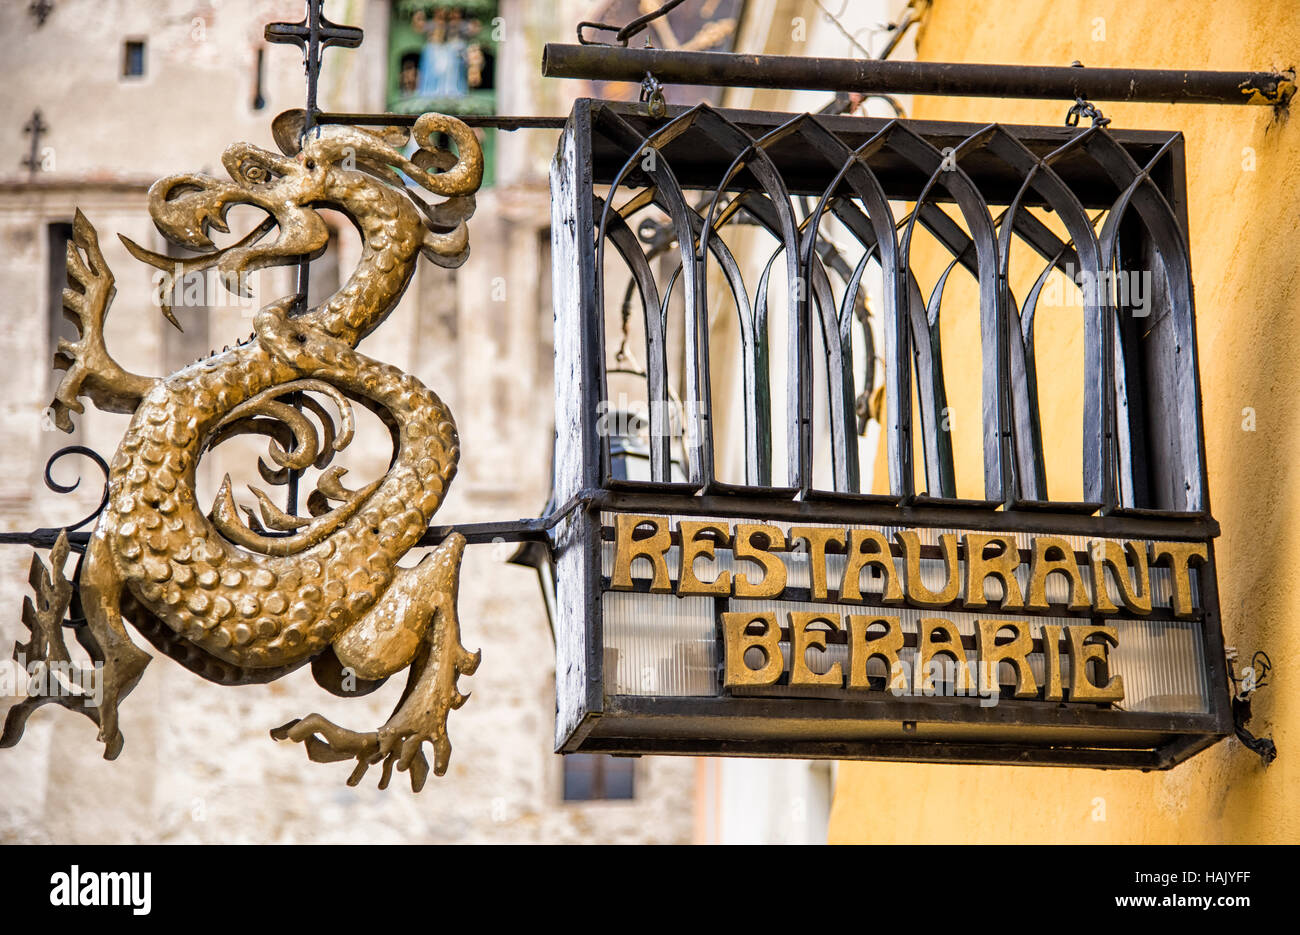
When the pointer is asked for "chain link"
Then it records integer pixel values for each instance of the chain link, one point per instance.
(1082, 108)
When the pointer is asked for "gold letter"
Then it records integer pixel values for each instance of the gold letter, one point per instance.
(1015, 652)
(653, 547)
(817, 537)
(736, 672)
(1136, 597)
(1082, 652)
(1180, 559)
(774, 572)
(859, 558)
(886, 646)
(917, 592)
(950, 645)
(801, 638)
(1052, 662)
(1002, 565)
(692, 547)
(1043, 565)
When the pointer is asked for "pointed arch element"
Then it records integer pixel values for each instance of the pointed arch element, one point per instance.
(625, 242)
(698, 433)
(936, 445)
(748, 153)
(945, 169)
(855, 172)
(694, 245)
(1042, 179)
(1173, 447)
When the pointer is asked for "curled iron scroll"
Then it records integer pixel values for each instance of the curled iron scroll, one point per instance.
(54, 485)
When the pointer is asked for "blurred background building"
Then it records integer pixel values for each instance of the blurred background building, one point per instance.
(107, 97)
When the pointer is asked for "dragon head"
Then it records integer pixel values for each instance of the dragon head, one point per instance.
(358, 172)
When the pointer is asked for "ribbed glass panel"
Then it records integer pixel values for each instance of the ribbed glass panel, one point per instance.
(658, 644)
(1163, 664)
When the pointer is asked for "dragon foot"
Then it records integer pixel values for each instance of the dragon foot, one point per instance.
(45, 658)
(429, 697)
(92, 691)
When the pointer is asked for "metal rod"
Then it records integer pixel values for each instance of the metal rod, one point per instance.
(780, 507)
(793, 72)
(533, 529)
(492, 122)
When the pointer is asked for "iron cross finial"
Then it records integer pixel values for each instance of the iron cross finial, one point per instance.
(41, 9)
(313, 35)
(36, 127)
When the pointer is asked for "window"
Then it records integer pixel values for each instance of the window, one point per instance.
(57, 237)
(442, 56)
(592, 776)
(133, 58)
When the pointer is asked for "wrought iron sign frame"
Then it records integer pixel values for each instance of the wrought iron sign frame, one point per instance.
(1143, 479)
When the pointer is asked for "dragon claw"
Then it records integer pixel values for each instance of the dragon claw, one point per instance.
(431, 694)
(327, 742)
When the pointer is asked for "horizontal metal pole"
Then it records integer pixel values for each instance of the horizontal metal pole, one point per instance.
(529, 529)
(778, 506)
(866, 76)
(43, 538)
(533, 529)
(515, 530)
(487, 122)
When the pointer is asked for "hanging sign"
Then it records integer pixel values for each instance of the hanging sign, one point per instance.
(732, 581)
(889, 608)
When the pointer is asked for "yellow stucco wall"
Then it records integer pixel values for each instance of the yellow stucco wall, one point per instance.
(1244, 210)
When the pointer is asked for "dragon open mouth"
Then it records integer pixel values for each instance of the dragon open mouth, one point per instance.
(187, 208)
(176, 269)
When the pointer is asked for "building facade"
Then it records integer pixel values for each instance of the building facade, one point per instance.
(129, 92)
(107, 97)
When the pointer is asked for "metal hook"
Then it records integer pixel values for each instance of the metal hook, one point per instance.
(652, 95)
(624, 33)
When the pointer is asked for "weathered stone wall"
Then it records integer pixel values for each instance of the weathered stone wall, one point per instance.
(199, 764)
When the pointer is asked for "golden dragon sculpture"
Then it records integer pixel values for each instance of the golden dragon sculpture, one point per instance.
(240, 603)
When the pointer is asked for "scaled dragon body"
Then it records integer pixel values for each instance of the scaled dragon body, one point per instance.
(241, 603)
